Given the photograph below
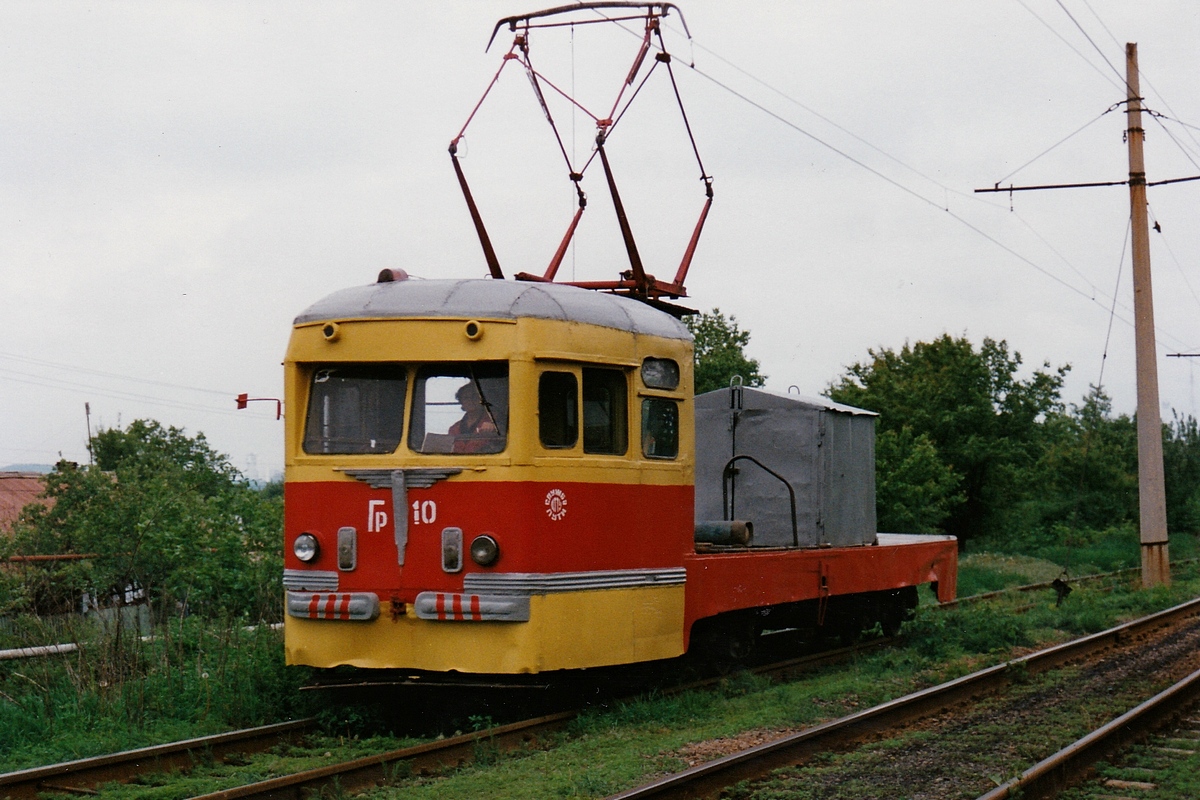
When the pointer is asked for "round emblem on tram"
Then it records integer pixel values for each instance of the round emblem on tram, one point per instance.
(556, 504)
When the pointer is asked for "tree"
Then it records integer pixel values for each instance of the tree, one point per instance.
(1181, 464)
(1087, 474)
(720, 352)
(166, 514)
(983, 422)
(916, 491)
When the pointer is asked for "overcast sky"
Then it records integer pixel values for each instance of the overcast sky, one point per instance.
(179, 180)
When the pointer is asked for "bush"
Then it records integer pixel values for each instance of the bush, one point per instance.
(967, 631)
(167, 516)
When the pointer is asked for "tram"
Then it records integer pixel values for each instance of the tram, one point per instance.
(499, 477)
(511, 477)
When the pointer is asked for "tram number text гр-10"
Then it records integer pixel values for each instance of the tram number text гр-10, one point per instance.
(423, 513)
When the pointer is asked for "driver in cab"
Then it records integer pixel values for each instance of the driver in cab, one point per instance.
(476, 432)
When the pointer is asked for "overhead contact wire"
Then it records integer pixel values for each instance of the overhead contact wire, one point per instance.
(1067, 138)
(1092, 42)
(1116, 292)
(1117, 84)
(1024, 259)
(913, 193)
(1145, 80)
(892, 181)
(1171, 252)
(99, 373)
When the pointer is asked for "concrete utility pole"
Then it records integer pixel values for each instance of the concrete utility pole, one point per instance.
(1152, 498)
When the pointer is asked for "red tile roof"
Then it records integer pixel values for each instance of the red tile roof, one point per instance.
(17, 489)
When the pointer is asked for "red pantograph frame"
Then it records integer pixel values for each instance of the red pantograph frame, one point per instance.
(635, 281)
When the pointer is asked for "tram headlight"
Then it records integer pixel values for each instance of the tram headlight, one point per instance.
(484, 550)
(306, 547)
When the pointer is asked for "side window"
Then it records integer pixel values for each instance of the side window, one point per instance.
(605, 417)
(558, 409)
(660, 428)
(460, 408)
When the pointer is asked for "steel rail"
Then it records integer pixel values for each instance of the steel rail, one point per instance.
(435, 756)
(383, 768)
(1030, 587)
(80, 776)
(707, 780)
(440, 754)
(1052, 775)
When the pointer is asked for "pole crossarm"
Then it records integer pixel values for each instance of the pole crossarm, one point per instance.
(1010, 188)
(1051, 186)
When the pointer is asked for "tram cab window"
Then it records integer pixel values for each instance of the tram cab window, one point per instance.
(460, 408)
(355, 408)
(660, 427)
(605, 411)
(558, 410)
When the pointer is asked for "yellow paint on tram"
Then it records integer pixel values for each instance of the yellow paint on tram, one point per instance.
(623, 626)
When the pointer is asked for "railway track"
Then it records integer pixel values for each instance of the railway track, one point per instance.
(83, 775)
(439, 755)
(1164, 764)
(80, 777)
(711, 778)
(1064, 768)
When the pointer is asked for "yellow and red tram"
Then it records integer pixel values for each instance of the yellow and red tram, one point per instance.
(497, 477)
(509, 477)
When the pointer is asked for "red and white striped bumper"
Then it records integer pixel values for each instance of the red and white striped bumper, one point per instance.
(471, 607)
(333, 605)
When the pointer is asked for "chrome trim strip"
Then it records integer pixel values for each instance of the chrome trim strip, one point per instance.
(313, 580)
(471, 607)
(415, 478)
(529, 583)
(399, 512)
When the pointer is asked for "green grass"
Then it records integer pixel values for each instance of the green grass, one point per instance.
(117, 694)
(121, 691)
(1078, 551)
(611, 749)
(988, 572)
(1177, 775)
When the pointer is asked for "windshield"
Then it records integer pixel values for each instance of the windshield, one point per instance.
(460, 408)
(355, 408)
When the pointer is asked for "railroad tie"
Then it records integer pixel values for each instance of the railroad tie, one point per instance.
(1113, 783)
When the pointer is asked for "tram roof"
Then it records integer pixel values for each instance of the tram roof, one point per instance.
(493, 299)
(759, 398)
